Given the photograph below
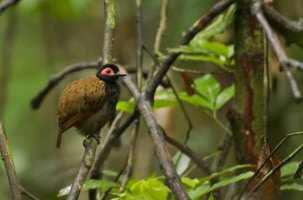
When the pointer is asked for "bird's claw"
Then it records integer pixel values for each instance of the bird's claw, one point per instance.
(95, 136)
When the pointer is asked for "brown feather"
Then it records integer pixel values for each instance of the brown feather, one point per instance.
(78, 101)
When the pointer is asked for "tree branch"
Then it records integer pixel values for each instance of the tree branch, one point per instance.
(139, 57)
(202, 23)
(162, 26)
(130, 157)
(285, 62)
(7, 4)
(55, 79)
(9, 165)
(90, 145)
(157, 136)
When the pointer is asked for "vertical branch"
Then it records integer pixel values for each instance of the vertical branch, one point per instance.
(86, 163)
(6, 55)
(162, 26)
(109, 30)
(130, 157)
(9, 165)
(139, 57)
(90, 144)
(249, 101)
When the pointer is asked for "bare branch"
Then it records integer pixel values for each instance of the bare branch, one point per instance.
(27, 193)
(130, 157)
(157, 136)
(7, 4)
(162, 26)
(280, 21)
(9, 165)
(286, 137)
(55, 79)
(223, 147)
(190, 153)
(202, 23)
(90, 145)
(139, 57)
(277, 167)
(285, 62)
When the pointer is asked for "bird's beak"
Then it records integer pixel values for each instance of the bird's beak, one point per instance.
(121, 74)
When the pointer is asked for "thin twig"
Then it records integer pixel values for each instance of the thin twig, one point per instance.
(285, 138)
(281, 21)
(90, 145)
(202, 23)
(277, 167)
(7, 4)
(223, 147)
(27, 193)
(190, 153)
(96, 171)
(9, 165)
(130, 157)
(190, 125)
(169, 171)
(55, 79)
(139, 57)
(162, 26)
(285, 62)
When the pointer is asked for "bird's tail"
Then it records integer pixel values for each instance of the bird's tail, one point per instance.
(59, 138)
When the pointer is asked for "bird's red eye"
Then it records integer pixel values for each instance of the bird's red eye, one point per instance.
(108, 72)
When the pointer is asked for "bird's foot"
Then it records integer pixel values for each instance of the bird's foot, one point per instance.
(95, 136)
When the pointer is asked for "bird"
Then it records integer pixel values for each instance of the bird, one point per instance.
(89, 103)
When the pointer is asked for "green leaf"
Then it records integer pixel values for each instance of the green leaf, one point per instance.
(224, 96)
(204, 189)
(150, 189)
(203, 58)
(64, 191)
(192, 183)
(209, 87)
(126, 106)
(196, 100)
(102, 184)
(164, 103)
(292, 186)
(225, 171)
(182, 162)
(220, 24)
(289, 169)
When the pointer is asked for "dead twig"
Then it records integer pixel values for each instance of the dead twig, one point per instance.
(139, 57)
(162, 26)
(9, 165)
(90, 146)
(157, 136)
(55, 79)
(285, 62)
(7, 4)
(130, 157)
(286, 137)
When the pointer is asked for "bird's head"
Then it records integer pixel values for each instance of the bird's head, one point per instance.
(109, 73)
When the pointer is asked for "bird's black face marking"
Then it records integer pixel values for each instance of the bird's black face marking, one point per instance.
(109, 73)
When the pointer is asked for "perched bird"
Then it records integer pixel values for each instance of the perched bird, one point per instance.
(89, 103)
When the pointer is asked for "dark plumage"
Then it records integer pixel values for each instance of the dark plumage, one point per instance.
(89, 103)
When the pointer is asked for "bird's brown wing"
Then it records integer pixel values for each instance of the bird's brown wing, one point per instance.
(78, 101)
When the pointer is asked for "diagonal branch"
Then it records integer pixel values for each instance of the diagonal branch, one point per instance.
(157, 136)
(90, 146)
(9, 165)
(285, 62)
(7, 4)
(16, 189)
(55, 79)
(202, 23)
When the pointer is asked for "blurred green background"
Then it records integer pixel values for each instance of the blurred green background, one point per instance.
(39, 38)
